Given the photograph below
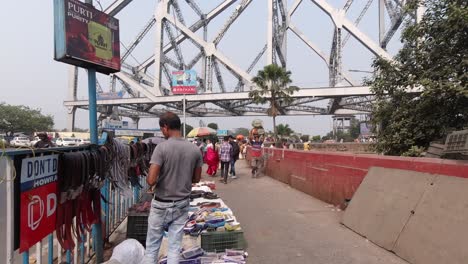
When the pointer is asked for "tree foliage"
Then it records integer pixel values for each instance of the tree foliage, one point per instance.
(272, 87)
(242, 131)
(20, 118)
(284, 130)
(188, 128)
(316, 138)
(305, 138)
(434, 61)
(213, 126)
(355, 129)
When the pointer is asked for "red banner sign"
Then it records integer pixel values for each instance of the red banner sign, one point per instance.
(184, 90)
(38, 199)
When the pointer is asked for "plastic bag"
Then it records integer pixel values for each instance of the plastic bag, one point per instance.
(128, 249)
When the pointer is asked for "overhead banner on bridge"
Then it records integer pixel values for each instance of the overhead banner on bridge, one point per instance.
(184, 82)
(38, 199)
(86, 37)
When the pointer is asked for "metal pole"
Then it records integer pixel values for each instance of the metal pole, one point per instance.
(97, 228)
(185, 117)
(270, 48)
(92, 105)
(381, 20)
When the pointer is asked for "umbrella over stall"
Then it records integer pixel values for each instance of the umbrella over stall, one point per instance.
(201, 132)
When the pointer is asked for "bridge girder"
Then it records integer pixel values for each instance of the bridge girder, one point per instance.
(147, 97)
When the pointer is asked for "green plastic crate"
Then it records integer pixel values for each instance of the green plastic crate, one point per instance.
(218, 241)
(137, 226)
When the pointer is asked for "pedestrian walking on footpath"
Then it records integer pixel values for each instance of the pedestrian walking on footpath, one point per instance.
(225, 153)
(256, 153)
(175, 165)
(235, 156)
(211, 158)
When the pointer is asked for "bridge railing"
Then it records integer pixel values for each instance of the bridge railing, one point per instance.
(114, 211)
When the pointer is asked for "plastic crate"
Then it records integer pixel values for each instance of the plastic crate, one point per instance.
(137, 226)
(218, 241)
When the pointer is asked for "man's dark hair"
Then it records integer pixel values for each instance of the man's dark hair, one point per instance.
(226, 138)
(171, 120)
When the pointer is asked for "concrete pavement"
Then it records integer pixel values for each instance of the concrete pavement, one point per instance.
(283, 225)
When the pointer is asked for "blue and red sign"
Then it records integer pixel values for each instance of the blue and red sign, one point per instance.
(184, 82)
(38, 199)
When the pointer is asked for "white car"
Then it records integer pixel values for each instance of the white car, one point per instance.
(66, 142)
(34, 141)
(20, 142)
(81, 142)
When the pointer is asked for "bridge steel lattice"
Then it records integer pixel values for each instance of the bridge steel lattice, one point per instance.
(147, 85)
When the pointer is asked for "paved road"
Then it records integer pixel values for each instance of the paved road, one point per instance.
(283, 225)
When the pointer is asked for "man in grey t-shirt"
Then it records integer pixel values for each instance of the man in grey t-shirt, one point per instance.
(175, 165)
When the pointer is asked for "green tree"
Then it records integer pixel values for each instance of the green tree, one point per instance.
(272, 87)
(20, 118)
(77, 129)
(283, 130)
(355, 128)
(213, 126)
(242, 131)
(316, 138)
(305, 138)
(188, 128)
(433, 61)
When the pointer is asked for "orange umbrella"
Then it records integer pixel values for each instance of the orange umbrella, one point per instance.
(240, 137)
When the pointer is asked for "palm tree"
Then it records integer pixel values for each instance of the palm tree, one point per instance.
(272, 86)
(284, 130)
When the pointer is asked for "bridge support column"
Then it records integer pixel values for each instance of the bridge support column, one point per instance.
(136, 121)
(71, 118)
(161, 9)
(270, 48)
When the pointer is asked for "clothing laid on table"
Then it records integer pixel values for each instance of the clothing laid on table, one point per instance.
(211, 159)
(178, 160)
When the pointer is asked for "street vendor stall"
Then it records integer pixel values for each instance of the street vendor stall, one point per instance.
(212, 232)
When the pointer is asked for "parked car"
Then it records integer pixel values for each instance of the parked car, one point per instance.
(81, 142)
(20, 142)
(34, 141)
(66, 142)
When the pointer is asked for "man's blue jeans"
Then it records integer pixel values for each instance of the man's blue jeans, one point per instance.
(174, 215)
(233, 169)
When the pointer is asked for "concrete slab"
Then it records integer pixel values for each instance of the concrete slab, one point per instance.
(383, 203)
(437, 232)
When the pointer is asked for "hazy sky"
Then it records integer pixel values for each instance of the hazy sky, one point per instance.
(30, 76)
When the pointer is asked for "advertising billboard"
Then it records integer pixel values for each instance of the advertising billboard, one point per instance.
(38, 199)
(86, 37)
(184, 82)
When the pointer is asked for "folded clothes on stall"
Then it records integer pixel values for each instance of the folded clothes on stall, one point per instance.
(197, 255)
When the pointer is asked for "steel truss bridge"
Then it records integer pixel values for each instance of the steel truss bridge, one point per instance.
(147, 85)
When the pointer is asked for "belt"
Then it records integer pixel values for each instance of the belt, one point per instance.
(170, 201)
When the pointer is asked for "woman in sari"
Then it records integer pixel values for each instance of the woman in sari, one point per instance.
(211, 158)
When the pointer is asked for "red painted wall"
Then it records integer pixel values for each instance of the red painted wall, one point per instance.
(334, 177)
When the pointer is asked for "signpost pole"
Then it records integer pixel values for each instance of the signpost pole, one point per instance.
(97, 228)
(185, 118)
